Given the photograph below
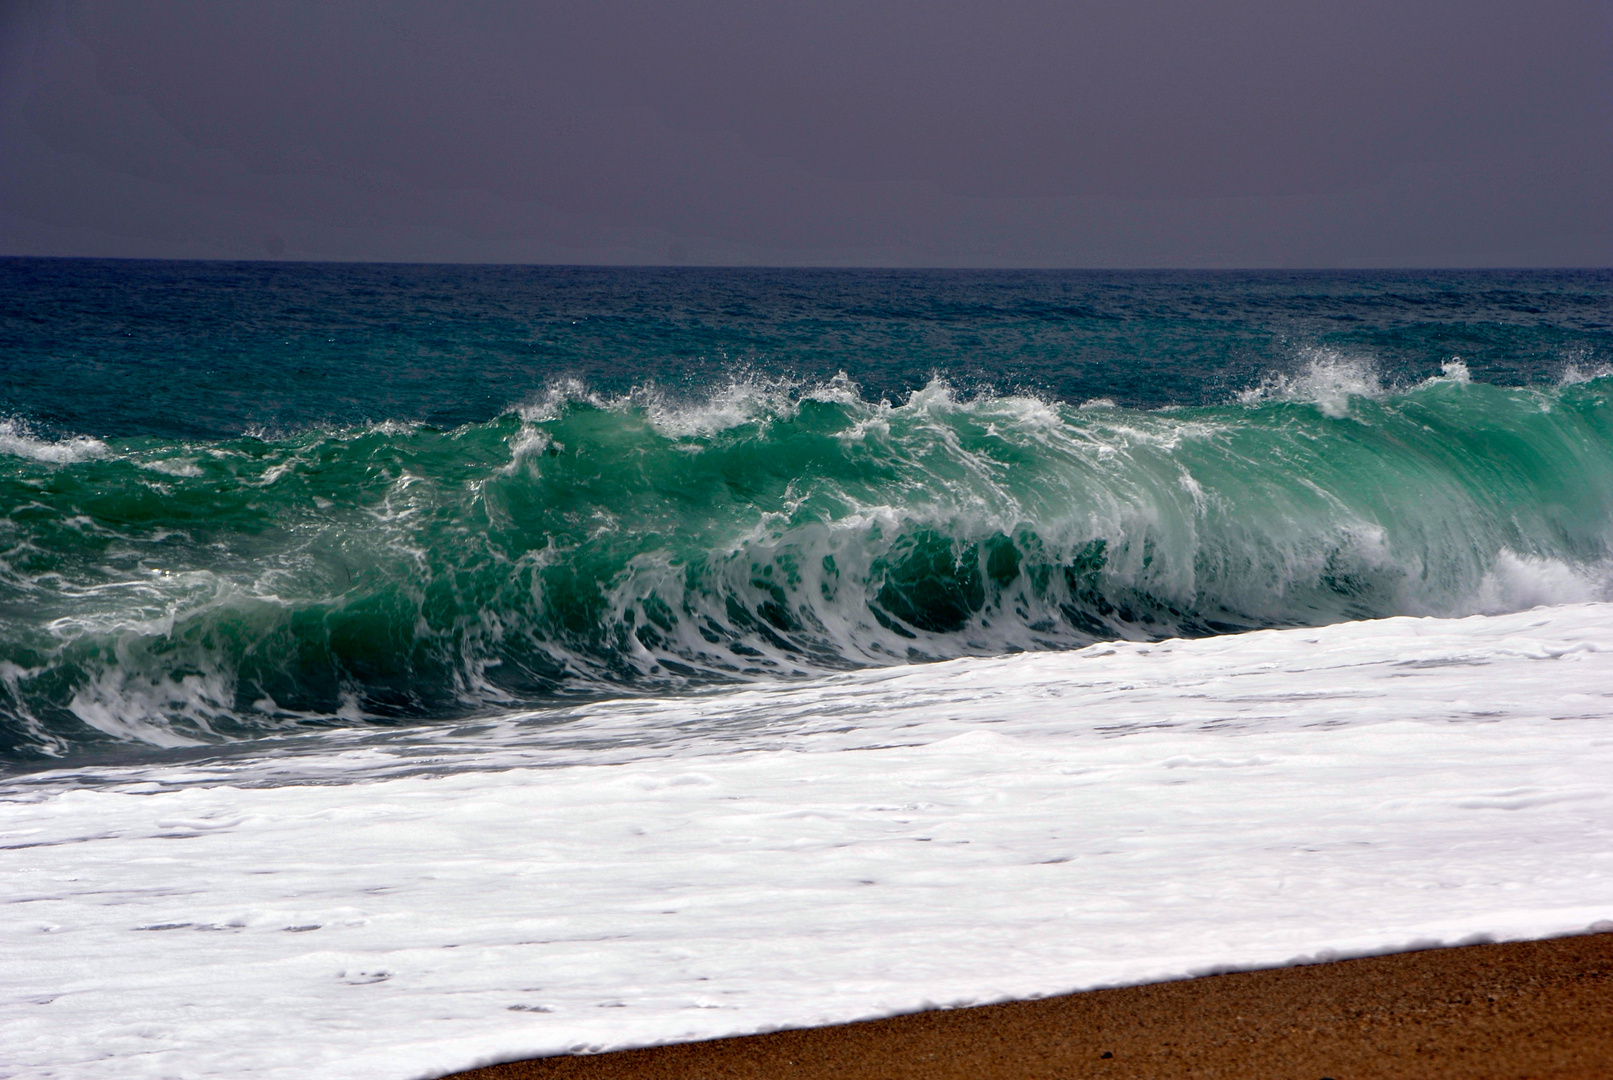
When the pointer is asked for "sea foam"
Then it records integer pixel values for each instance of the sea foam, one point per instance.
(668, 868)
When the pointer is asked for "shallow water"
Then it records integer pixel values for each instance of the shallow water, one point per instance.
(877, 842)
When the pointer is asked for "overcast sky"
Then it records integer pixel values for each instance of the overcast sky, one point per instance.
(1011, 133)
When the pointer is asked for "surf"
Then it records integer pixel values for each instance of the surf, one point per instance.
(170, 592)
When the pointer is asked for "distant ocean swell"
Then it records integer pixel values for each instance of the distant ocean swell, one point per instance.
(171, 593)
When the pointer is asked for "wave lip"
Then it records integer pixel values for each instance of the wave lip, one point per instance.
(585, 545)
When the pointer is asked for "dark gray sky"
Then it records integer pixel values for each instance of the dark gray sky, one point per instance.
(1012, 133)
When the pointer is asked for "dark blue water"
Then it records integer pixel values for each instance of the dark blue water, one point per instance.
(210, 350)
(238, 499)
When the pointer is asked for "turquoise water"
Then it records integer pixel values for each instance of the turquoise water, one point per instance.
(242, 499)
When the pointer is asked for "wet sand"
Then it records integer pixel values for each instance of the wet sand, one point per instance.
(1541, 1010)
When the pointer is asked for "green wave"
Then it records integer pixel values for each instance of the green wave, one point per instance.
(190, 592)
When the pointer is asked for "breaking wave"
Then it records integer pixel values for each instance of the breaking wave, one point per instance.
(173, 593)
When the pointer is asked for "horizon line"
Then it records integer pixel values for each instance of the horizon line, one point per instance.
(832, 268)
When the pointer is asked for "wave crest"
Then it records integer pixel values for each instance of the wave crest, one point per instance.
(18, 440)
(584, 544)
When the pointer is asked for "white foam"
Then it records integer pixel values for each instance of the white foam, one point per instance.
(184, 468)
(15, 439)
(1574, 373)
(555, 398)
(756, 399)
(738, 403)
(145, 707)
(1519, 582)
(656, 869)
(526, 444)
(1328, 379)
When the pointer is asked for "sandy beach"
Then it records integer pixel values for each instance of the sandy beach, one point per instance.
(1541, 1010)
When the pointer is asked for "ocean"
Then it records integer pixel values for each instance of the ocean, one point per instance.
(543, 659)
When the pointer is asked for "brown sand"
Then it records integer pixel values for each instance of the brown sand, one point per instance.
(1538, 1010)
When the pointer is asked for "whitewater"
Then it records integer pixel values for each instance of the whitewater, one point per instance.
(410, 668)
(858, 846)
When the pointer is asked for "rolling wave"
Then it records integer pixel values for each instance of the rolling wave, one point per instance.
(173, 593)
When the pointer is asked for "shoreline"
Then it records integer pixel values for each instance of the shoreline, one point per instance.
(1541, 1010)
